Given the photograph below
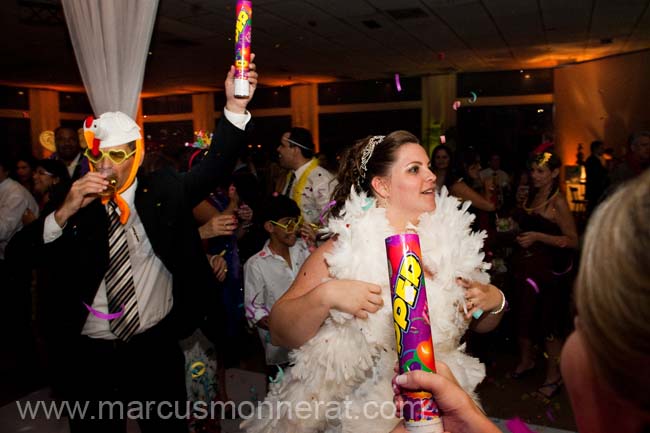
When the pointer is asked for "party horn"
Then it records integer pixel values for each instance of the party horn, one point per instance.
(243, 28)
(412, 328)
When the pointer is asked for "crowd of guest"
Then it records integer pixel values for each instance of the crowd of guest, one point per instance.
(259, 224)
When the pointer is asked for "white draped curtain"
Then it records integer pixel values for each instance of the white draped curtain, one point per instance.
(111, 42)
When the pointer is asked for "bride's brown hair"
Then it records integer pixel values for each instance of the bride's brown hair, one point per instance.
(351, 173)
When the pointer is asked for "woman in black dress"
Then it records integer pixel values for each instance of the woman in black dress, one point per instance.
(544, 270)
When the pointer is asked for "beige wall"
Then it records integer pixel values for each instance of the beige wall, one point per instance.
(605, 99)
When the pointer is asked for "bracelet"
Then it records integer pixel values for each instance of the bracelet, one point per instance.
(503, 304)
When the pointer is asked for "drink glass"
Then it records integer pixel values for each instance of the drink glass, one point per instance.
(111, 177)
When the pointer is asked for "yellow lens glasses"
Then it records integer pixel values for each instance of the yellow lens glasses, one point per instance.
(291, 226)
(118, 156)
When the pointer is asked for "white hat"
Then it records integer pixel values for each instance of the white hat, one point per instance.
(113, 129)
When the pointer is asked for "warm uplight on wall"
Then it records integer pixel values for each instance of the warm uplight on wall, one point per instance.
(527, 76)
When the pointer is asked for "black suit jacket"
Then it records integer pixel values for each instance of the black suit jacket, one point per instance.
(78, 259)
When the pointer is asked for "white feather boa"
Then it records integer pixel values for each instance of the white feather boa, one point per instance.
(350, 361)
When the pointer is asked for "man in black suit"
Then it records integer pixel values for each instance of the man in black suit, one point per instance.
(597, 179)
(69, 151)
(129, 276)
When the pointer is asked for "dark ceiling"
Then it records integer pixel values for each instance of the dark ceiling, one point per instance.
(300, 41)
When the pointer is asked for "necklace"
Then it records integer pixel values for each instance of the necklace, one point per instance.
(531, 209)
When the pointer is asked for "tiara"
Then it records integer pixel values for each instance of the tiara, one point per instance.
(367, 154)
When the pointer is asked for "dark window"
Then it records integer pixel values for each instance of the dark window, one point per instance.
(340, 130)
(271, 97)
(16, 137)
(74, 124)
(171, 104)
(220, 101)
(504, 83)
(266, 132)
(265, 97)
(511, 131)
(168, 138)
(16, 98)
(360, 92)
(72, 102)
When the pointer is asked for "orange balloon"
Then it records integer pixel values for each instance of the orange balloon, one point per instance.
(425, 353)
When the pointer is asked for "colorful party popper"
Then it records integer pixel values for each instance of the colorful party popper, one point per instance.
(412, 328)
(243, 28)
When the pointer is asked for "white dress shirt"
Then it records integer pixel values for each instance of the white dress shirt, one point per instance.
(73, 165)
(14, 201)
(502, 177)
(316, 194)
(266, 277)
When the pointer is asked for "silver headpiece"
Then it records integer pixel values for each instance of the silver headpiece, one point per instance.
(366, 154)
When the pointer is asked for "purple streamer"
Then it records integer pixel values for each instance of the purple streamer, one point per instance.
(327, 207)
(533, 284)
(565, 272)
(516, 425)
(549, 414)
(398, 85)
(253, 307)
(105, 316)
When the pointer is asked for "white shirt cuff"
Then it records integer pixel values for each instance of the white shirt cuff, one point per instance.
(51, 230)
(237, 119)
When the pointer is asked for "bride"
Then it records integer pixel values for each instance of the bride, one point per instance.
(337, 315)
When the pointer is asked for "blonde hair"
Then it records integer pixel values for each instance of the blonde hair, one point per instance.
(613, 291)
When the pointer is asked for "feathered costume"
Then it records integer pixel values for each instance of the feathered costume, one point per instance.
(350, 361)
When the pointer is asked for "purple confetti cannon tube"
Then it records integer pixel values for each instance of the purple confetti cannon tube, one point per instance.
(412, 328)
(243, 28)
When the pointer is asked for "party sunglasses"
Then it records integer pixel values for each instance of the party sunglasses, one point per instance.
(118, 156)
(291, 226)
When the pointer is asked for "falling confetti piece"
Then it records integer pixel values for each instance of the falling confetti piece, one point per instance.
(105, 316)
(327, 207)
(278, 377)
(549, 414)
(443, 139)
(398, 85)
(473, 98)
(533, 284)
(456, 105)
(516, 425)
(566, 271)
(368, 204)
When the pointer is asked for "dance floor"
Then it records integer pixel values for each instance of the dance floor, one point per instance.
(242, 385)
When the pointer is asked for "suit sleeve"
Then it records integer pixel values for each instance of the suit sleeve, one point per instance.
(218, 163)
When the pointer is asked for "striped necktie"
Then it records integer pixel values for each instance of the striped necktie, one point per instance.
(120, 288)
